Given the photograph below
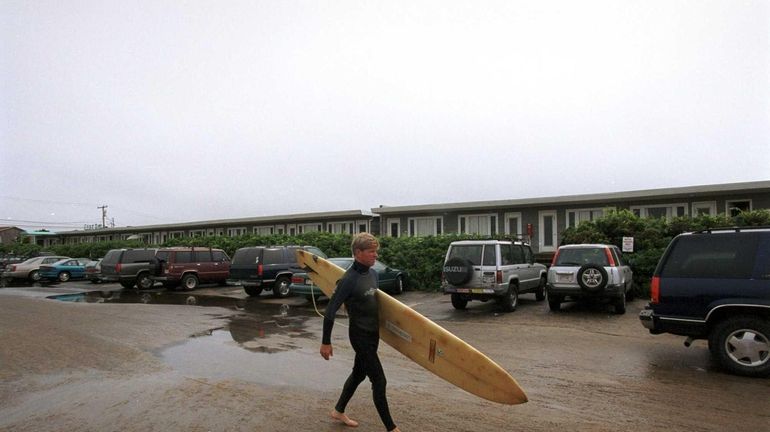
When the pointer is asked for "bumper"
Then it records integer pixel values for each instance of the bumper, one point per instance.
(610, 291)
(476, 292)
(305, 290)
(245, 283)
(682, 326)
(646, 317)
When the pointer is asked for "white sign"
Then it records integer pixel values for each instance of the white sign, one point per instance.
(628, 244)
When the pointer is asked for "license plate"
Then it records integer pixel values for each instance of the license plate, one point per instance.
(564, 278)
(488, 279)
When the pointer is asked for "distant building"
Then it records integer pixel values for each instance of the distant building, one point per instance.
(10, 234)
(539, 221)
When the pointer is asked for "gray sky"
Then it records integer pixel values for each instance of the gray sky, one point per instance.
(171, 111)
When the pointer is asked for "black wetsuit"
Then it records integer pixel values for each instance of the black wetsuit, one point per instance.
(357, 291)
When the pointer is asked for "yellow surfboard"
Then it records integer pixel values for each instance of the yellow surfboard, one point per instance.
(425, 342)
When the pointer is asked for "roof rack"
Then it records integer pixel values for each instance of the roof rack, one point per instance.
(733, 229)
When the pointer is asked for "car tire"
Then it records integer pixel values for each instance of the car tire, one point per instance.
(253, 291)
(459, 302)
(398, 285)
(592, 278)
(741, 344)
(620, 304)
(540, 292)
(143, 281)
(460, 270)
(189, 282)
(554, 303)
(511, 298)
(128, 284)
(64, 276)
(281, 287)
(34, 276)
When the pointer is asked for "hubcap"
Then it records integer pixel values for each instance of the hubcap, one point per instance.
(748, 347)
(592, 277)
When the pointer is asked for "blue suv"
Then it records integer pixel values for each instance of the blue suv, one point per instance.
(715, 285)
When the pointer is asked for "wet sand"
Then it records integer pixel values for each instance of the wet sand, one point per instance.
(137, 367)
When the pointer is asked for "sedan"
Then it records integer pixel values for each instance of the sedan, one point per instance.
(64, 270)
(29, 269)
(392, 281)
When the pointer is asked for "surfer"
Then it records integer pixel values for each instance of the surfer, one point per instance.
(357, 290)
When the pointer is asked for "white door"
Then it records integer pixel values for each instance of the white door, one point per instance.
(547, 231)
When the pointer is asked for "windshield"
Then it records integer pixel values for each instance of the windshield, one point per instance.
(344, 263)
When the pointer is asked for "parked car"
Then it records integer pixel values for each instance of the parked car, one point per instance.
(392, 281)
(592, 272)
(130, 267)
(64, 270)
(258, 268)
(30, 269)
(715, 285)
(7, 260)
(93, 271)
(189, 266)
(491, 269)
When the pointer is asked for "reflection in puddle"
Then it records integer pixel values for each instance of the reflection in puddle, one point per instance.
(272, 360)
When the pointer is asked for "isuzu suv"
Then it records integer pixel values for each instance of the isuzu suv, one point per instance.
(715, 285)
(491, 269)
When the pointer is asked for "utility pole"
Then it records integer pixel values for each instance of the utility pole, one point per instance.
(104, 215)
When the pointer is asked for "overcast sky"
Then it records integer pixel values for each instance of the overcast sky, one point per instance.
(173, 111)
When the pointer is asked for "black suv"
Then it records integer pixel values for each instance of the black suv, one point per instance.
(130, 267)
(266, 267)
(715, 285)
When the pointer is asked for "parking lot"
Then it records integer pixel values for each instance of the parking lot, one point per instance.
(104, 358)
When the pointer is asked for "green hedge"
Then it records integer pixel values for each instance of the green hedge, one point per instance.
(651, 236)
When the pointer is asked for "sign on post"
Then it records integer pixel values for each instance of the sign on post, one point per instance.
(628, 244)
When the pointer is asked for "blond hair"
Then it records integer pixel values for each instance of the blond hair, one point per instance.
(363, 241)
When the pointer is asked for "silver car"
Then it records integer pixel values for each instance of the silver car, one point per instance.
(592, 271)
(491, 269)
(29, 269)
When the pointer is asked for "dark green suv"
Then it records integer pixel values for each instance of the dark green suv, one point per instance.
(259, 268)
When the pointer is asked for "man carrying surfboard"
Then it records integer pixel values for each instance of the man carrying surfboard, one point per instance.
(357, 290)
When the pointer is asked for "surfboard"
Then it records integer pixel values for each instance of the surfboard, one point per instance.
(425, 342)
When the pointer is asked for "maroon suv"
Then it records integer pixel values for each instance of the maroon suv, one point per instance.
(189, 266)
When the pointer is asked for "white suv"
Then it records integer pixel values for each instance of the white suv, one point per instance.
(594, 271)
(491, 269)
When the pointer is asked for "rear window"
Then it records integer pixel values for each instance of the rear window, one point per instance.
(247, 256)
(315, 250)
(471, 253)
(582, 256)
(112, 256)
(138, 255)
(273, 256)
(490, 255)
(711, 256)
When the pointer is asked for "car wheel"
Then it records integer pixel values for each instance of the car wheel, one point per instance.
(189, 282)
(458, 270)
(741, 344)
(398, 286)
(253, 291)
(620, 304)
(459, 302)
(128, 284)
(511, 299)
(554, 303)
(540, 292)
(64, 276)
(592, 278)
(281, 287)
(143, 281)
(34, 276)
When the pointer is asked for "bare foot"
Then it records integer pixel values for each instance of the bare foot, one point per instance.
(343, 418)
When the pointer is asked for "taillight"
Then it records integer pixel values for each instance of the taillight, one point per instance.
(555, 257)
(655, 290)
(260, 270)
(610, 259)
(13, 268)
(499, 276)
(118, 266)
(297, 280)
